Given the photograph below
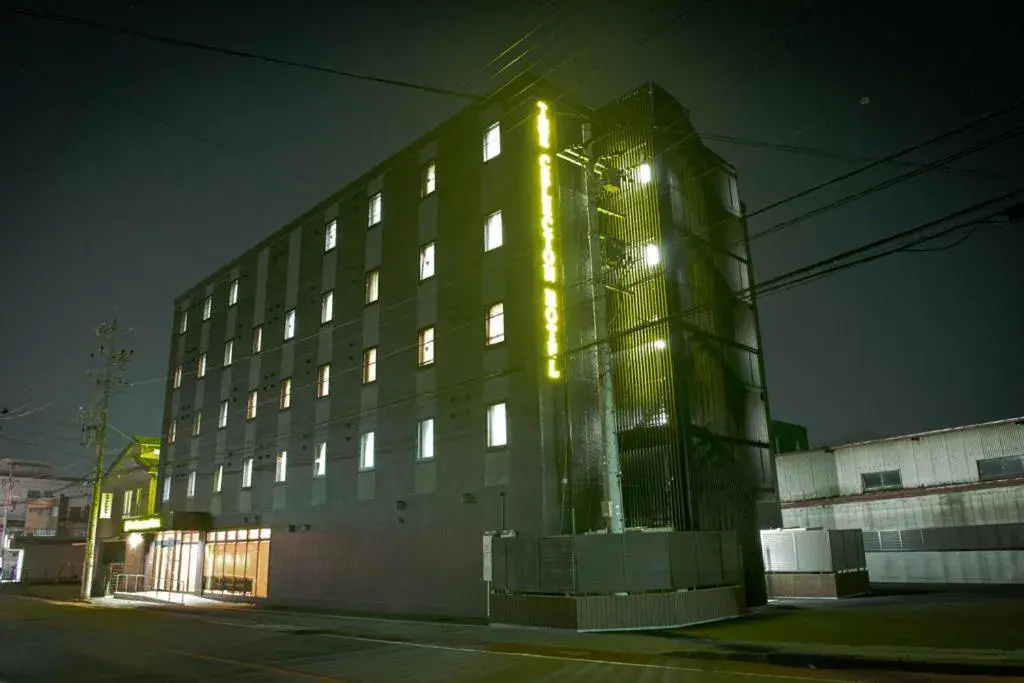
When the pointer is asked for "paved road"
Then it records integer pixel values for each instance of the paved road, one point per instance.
(48, 642)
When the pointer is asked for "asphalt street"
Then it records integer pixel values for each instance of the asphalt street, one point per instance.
(47, 641)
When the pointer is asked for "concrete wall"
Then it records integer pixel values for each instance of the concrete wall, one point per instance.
(948, 567)
(50, 562)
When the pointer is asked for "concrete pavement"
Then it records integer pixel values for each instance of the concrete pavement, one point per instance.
(41, 641)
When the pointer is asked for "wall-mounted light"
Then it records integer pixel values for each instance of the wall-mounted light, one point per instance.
(134, 540)
(652, 255)
(643, 173)
(660, 344)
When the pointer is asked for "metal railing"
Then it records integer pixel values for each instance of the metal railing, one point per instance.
(165, 590)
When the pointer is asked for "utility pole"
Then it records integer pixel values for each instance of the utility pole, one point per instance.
(8, 501)
(94, 430)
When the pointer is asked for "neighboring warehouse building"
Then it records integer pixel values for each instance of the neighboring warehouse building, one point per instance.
(419, 359)
(939, 507)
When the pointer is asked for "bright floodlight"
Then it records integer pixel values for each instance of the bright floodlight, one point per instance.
(660, 344)
(643, 174)
(652, 255)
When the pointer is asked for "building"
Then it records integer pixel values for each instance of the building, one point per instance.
(41, 504)
(941, 507)
(788, 437)
(536, 318)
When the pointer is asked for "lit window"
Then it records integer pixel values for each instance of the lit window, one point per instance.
(207, 308)
(183, 323)
(172, 431)
(493, 237)
(366, 451)
(425, 440)
(652, 255)
(229, 352)
(373, 215)
(233, 293)
(201, 369)
(323, 381)
(331, 236)
(247, 473)
(257, 339)
(289, 324)
(281, 467)
(427, 261)
(327, 308)
(286, 393)
(370, 365)
(496, 324)
(429, 180)
(167, 488)
(492, 141)
(190, 490)
(426, 346)
(126, 506)
(197, 422)
(250, 405)
(222, 417)
(218, 478)
(372, 286)
(320, 460)
(497, 427)
(106, 505)
(176, 383)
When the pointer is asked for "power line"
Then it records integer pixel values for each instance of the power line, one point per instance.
(195, 45)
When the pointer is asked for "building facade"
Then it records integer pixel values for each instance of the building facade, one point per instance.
(458, 342)
(41, 504)
(941, 507)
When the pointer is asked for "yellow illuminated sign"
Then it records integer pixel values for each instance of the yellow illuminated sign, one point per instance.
(142, 524)
(549, 257)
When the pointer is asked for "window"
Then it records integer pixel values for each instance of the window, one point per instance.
(197, 422)
(167, 488)
(372, 286)
(172, 431)
(426, 346)
(427, 261)
(366, 451)
(492, 141)
(373, 215)
(222, 416)
(247, 473)
(331, 236)
(106, 505)
(286, 393)
(190, 490)
(201, 368)
(496, 324)
(126, 503)
(876, 481)
(327, 307)
(289, 324)
(176, 382)
(425, 440)
(370, 365)
(493, 233)
(497, 427)
(207, 308)
(428, 181)
(281, 467)
(323, 381)
(233, 293)
(250, 405)
(320, 460)
(728, 192)
(257, 339)
(229, 352)
(183, 323)
(218, 478)
(1001, 468)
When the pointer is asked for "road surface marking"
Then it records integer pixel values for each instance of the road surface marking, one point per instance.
(260, 667)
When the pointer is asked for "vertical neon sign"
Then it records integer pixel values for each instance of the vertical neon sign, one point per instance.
(549, 257)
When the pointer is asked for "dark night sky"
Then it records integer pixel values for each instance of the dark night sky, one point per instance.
(133, 169)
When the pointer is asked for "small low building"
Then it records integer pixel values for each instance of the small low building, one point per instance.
(940, 507)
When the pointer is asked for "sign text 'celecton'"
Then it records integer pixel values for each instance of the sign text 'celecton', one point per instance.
(549, 257)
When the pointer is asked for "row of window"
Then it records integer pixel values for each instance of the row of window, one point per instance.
(494, 333)
(129, 504)
(497, 437)
(375, 208)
